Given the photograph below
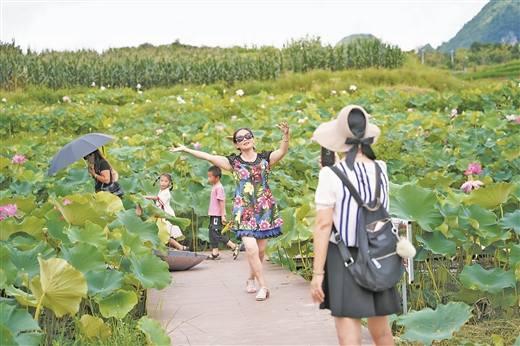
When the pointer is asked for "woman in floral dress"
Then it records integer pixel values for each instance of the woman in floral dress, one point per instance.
(255, 216)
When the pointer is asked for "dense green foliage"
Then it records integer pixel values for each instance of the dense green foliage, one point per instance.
(175, 64)
(467, 243)
(497, 22)
(511, 69)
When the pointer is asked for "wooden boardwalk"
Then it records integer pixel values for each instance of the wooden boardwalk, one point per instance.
(209, 305)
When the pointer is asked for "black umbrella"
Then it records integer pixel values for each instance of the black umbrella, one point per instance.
(77, 149)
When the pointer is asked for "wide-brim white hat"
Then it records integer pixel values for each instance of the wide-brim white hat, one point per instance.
(333, 134)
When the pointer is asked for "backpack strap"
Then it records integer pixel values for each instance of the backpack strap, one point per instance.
(353, 190)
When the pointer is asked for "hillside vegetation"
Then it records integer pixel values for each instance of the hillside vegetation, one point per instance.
(497, 22)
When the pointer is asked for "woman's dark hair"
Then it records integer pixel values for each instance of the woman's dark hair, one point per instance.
(240, 129)
(98, 157)
(357, 122)
(216, 171)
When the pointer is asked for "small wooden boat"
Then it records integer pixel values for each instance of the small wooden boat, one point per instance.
(180, 260)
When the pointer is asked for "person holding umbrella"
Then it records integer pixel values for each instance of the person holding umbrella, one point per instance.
(100, 170)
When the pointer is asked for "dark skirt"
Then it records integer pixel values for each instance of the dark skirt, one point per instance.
(345, 298)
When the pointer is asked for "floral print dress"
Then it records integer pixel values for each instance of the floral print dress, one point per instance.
(255, 212)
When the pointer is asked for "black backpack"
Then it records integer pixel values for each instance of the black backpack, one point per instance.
(377, 266)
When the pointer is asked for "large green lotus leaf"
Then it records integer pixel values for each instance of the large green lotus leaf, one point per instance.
(91, 234)
(290, 232)
(114, 203)
(514, 255)
(22, 297)
(511, 221)
(151, 271)
(147, 231)
(59, 287)
(484, 222)
(93, 327)
(469, 296)
(31, 225)
(118, 304)
(27, 261)
(131, 243)
(428, 325)
(437, 243)
(155, 334)
(103, 283)
(492, 196)
(83, 257)
(18, 327)
(493, 281)
(412, 202)
(82, 209)
(8, 271)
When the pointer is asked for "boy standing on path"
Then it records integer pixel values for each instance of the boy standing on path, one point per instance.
(217, 215)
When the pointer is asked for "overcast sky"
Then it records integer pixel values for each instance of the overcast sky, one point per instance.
(99, 25)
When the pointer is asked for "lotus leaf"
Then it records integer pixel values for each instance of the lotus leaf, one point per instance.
(493, 281)
(118, 304)
(155, 334)
(17, 327)
(492, 196)
(514, 255)
(411, 202)
(511, 221)
(27, 261)
(93, 327)
(151, 271)
(113, 202)
(24, 204)
(82, 209)
(83, 257)
(437, 243)
(484, 222)
(103, 283)
(131, 242)
(8, 271)
(59, 287)
(428, 325)
(92, 234)
(31, 225)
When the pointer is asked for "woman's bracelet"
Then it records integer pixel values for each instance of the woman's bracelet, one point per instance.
(318, 273)
(286, 140)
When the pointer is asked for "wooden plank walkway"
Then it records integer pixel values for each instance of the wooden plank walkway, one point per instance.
(209, 305)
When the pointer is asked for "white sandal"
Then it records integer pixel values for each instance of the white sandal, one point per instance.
(263, 294)
(251, 288)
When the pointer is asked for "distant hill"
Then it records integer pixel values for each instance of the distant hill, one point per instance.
(498, 21)
(350, 38)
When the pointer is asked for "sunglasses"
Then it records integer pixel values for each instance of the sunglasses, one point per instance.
(239, 139)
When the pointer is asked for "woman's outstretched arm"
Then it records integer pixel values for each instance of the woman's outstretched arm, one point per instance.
(217, 160)
(278, 154)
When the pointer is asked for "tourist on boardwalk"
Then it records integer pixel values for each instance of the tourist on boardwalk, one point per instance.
(162, 200)
(255, 217)
(332, 285)
(217, 215)
(100, 169)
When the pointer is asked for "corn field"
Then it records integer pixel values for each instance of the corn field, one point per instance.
(174, 64)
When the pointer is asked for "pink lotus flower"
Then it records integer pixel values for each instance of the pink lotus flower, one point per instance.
(19, 159)
(233, 117)
(473, 168)
(219, 128)
(67, 201)
(333, 92)
(410, 110)
(158, 131)
(196, 145)
(454, 112)
(518, 120)
(67, 99)
(271, 98)
(471, 184)
(313, 140)
(511, 117)
(8, 210)
(426, 133)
